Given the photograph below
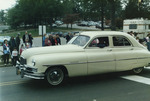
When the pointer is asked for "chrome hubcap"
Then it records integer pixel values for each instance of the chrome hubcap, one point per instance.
(55, 76)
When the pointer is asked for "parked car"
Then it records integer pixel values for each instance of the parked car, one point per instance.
(83, 23)
(88, 53)
(58, 22)
(91, 23)
(54, 25)
(98, 25)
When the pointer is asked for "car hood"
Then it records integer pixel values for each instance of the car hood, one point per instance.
(51, 50)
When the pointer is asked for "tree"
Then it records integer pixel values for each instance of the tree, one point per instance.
(115, 10)
(103, 9)
(70, 18)
(14, 17)
(140, 9)
(2, 17)
(35, 12)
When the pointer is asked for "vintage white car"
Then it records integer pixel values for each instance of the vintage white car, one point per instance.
(88, 53)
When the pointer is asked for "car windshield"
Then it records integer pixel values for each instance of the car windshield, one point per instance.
(80, 40)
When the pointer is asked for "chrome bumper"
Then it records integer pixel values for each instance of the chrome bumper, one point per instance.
(26, 71)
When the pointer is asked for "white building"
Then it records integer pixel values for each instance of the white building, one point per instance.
(137, 25)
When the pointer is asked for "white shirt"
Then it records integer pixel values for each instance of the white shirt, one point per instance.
(14, 53)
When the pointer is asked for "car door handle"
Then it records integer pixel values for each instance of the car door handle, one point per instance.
(109, 50)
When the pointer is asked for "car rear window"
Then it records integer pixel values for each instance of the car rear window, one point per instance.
(121, 41)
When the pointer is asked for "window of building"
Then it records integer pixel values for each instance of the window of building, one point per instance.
(133, 26)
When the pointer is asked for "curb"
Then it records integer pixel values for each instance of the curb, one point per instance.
(2, 65)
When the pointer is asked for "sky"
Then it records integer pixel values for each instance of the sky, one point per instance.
(5, 4)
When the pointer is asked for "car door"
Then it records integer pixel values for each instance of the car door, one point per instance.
(124, 53)
(100, 57)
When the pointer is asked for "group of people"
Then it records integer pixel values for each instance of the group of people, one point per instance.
(51, 40)
(12, 47)
(145, 41)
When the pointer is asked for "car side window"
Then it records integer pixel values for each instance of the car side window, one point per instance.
(100, 42)
(121, 41)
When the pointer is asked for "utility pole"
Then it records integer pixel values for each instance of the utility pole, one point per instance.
(113, 18)
(102, 16)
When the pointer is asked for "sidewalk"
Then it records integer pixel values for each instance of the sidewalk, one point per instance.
(2, 64)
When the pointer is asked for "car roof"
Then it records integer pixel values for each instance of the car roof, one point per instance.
(106, 33)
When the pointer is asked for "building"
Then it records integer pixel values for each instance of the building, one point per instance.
(141, 26)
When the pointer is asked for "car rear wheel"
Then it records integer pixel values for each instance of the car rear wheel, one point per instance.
(55, 76)
(138, 70)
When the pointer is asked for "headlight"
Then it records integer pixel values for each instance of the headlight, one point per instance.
(33, 62)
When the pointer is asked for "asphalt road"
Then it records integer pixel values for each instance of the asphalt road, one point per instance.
(104, 87)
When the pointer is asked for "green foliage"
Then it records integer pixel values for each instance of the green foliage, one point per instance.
(135, 9)
(2, 17)
(34, 12)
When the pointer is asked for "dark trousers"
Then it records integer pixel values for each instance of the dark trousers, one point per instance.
(14, 60)
(6, 58)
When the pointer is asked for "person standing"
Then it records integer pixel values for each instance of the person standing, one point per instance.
(44, 37)
(18, 41)
(14, 56)
(6, 52)
(25, 37)
(68, 37)
(51, 37)
(21, 49)
(54, 41)
(12, 44)
(27, 44)
(58, 39)
(47, 41)
(148, 42)
(30, 39)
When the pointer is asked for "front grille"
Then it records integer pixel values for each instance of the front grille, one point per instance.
(29, 70)
(23, 61)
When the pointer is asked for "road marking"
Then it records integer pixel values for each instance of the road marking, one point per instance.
(11, 83)
(136, 78)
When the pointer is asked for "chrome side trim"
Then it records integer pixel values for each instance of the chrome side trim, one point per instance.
(144, 58)
(66, 64)
(133, 59)
(126, 59)
(79, 63)
(74, 63)
(101, 61)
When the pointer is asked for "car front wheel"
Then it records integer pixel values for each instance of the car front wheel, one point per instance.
(55, 76)
(138, 70)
